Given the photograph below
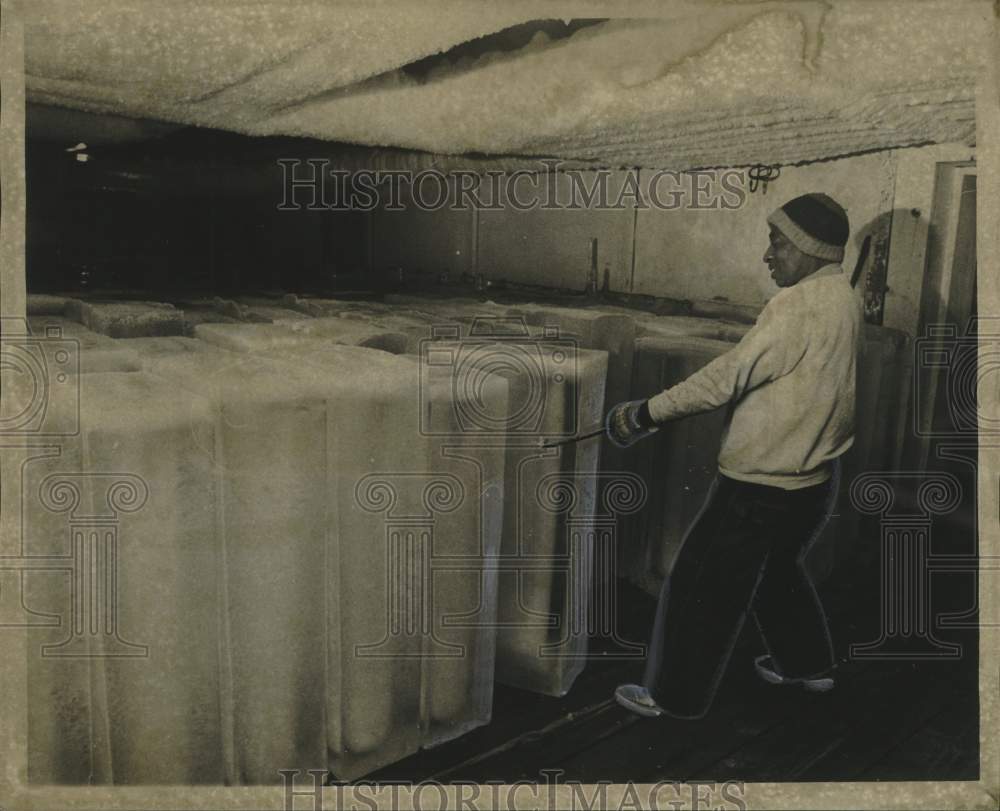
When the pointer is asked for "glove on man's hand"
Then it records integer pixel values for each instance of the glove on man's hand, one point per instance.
(629, 422)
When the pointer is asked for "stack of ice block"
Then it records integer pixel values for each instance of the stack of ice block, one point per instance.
(337, 546)
(125, 686)
(95, 352)
(420, 493)
(551, 508)
(331, 490)
(254, 338)
(308, 571)
(127, 319)
(549, 530)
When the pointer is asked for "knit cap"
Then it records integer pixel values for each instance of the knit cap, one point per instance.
(815, 224)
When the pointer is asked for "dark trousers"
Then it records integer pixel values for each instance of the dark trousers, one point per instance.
(743, 554)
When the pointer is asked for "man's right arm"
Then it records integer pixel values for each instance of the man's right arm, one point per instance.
(768, 351)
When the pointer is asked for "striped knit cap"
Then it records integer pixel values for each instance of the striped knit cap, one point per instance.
(815, 224)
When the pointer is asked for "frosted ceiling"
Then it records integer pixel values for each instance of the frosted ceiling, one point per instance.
(628, 84)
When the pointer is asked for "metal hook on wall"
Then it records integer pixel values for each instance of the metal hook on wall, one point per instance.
(761, 174)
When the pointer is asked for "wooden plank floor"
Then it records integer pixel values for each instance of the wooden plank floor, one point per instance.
(885, 721)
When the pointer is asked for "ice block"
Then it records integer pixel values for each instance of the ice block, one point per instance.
(264, 309)
(415, 326)
(548, 537)
(418, 506)
(96, 352)
(608, 332)
(126, 690)
(127, 319)
(354, 332)
(714, 308)
(613, 333)
(46, 304)
(314, 437)
(59, 712)
(208, 311)
(325, 307)
(677, 463)
(254, 338)
(271, 471)
(556, 391)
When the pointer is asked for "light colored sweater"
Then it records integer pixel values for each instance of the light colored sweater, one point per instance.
(791, 381)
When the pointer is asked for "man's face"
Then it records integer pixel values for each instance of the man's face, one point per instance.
(786, 262)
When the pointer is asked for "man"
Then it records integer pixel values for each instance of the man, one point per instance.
(790, 387)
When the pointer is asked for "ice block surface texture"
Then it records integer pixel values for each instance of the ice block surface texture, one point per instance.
(252, 338)
(95, 352)
(548, 532)
(127, 319)
(291, 572)
(557, 390)
(418, 503)
(126, 688)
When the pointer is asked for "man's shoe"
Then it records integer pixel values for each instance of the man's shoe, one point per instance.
(636, 698)
(765, 668)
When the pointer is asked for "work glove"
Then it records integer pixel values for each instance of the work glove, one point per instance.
(629, 422)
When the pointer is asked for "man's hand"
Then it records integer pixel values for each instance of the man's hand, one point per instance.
(629, 422)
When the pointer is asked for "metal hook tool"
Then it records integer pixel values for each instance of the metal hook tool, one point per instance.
(571, 440)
